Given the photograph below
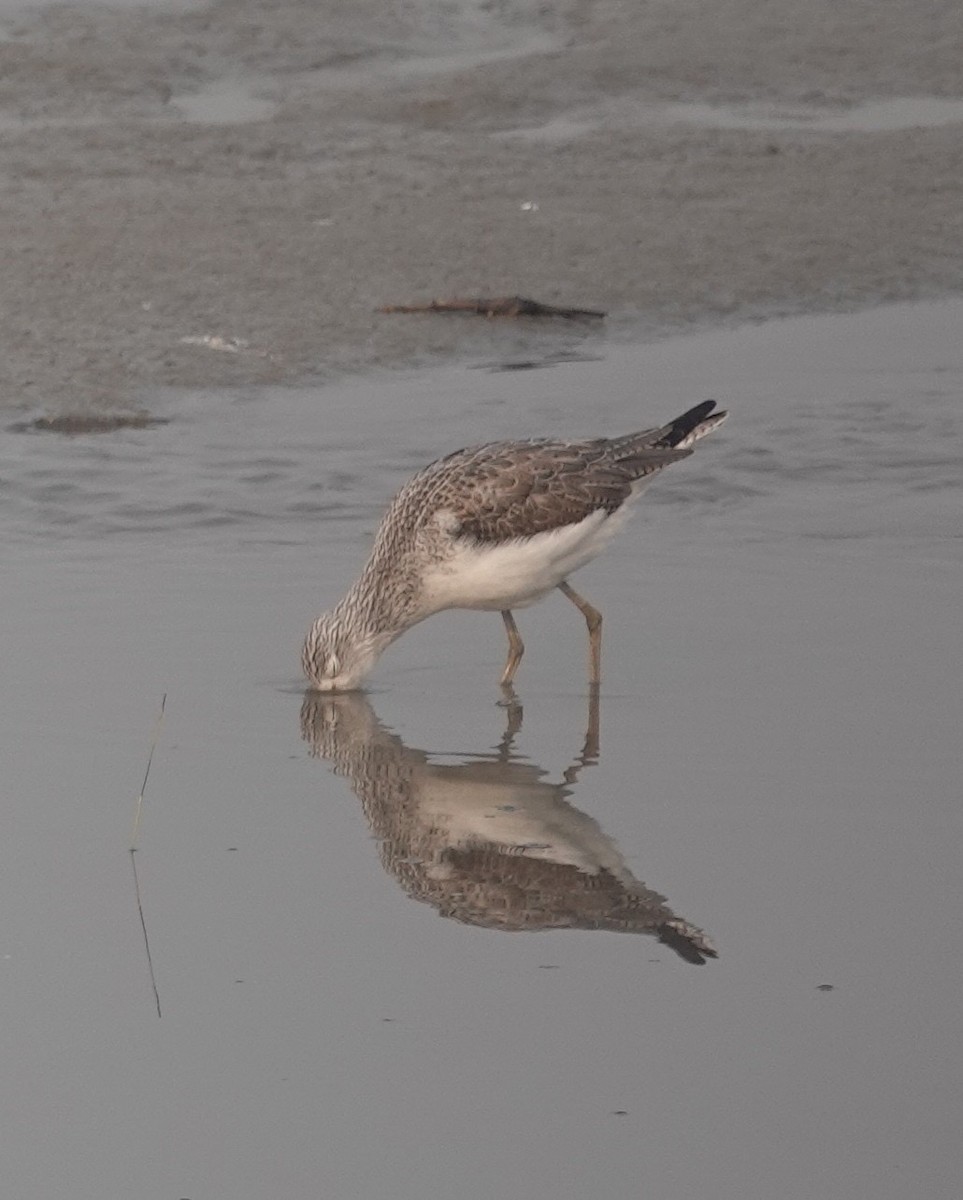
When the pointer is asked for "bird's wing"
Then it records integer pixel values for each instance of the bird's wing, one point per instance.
(516, 489)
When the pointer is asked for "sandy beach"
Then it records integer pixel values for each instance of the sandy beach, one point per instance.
(205, 195)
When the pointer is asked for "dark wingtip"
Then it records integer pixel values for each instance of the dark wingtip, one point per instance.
(679, 429)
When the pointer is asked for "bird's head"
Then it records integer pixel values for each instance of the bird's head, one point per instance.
(336, 657)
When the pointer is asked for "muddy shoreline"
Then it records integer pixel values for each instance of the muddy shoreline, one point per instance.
(205, 196)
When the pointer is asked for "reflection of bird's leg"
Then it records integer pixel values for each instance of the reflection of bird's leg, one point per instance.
(593, 619)
(590, 748)
(513, 723)
(516, 648)
(590, 752)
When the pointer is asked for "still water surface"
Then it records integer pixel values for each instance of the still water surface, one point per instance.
(774, 766)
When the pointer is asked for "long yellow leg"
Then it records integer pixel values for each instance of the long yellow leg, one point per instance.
(593, 619)
(516, 648)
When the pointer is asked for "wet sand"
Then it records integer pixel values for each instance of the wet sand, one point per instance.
(176, 174)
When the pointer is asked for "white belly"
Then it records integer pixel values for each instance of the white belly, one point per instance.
(516, 573)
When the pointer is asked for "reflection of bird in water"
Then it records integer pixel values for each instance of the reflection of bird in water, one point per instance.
(489, 841)
(494, 527)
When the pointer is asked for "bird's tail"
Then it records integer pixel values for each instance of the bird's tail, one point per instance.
(646, 452)
(686, 430)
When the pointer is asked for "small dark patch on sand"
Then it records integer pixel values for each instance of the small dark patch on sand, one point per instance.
(79, 423)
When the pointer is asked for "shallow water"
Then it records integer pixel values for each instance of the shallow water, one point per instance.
(224, 103)
(879, 116)
(777, 757)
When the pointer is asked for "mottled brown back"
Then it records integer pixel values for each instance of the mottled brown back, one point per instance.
(506, 490)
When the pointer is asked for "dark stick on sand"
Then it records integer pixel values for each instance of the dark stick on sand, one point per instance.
(498, 306)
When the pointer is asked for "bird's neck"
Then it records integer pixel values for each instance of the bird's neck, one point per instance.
(380, 605)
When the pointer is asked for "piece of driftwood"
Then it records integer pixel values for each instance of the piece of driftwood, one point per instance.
(498, 306)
